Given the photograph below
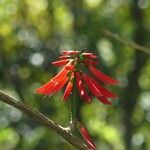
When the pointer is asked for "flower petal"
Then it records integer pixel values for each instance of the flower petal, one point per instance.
(83, 94)
(95, 91)
(88, 62)
(60, 62)
(69, 67)
(62, 73)
(48, 87)
(68, 91)
(70, 52)
(89, 55)
(101, 76)
(86, 97)
(103, 90)
(69, 88)
(64, 57)
(104, 100)
(60, 84)
(87, 138)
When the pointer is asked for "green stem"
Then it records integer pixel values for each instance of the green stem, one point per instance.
(74, 105)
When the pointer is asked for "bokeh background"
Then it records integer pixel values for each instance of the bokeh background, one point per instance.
(32, 34)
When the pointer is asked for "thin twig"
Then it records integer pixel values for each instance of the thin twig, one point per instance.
(63, 132)
(125, 42)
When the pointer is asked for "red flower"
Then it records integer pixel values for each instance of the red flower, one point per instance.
(69, 67)
(88, 62)
(101, 76)
(89, 55)
(74, 62)
(64, 56)
(95, 91)
(87, 138)
(68, 88)
(53, 85)
(81, 89)
(60, 62)
(70, 52)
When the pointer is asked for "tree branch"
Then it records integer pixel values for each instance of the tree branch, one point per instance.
(128, 43)
(63, 132)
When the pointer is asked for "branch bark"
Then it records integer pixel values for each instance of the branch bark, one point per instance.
(127, 43)
(63, 132)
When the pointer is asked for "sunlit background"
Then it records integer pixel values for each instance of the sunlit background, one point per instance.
(32, 34)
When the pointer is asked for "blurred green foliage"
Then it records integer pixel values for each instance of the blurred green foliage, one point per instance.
(32, 33)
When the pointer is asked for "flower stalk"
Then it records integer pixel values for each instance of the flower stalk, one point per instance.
(74, 103)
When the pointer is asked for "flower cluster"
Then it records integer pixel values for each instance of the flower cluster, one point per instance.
(74, 73)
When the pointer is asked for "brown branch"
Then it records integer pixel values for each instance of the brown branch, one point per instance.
(125, 42)
(63, 132)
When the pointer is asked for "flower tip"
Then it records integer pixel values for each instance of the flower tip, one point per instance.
(87, 138)
(38, 91)
(114, 82)
(69, 52)
(60, 63)
(64, 99)
(104, 100)
(101, 76)
(69, 67)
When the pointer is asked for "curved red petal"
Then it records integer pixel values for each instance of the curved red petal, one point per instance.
(86, 97)
(88, 62)
(103, 90)
(46, 88)
(95, 91)
(83, 94)
(69, 67)
(87, 138)
(104, 100)
(60, 84)
(68, 91)
(62, 73)
(64, 57)
(70, 52)
(60, 62)
(89, 55)
(101, 76)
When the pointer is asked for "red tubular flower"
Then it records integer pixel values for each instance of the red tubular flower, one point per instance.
(60, 84)
(60, 62)
(73, 62)
(88, 62)
(101, 76)
(104, 100)
(64, 57)
(103, 90)
(68, 88)
(87, 138)
(62, 73)
(70, 52)
(81, 89)
(69, 67)
(89, 55)
(48, 87)
(95, 89)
